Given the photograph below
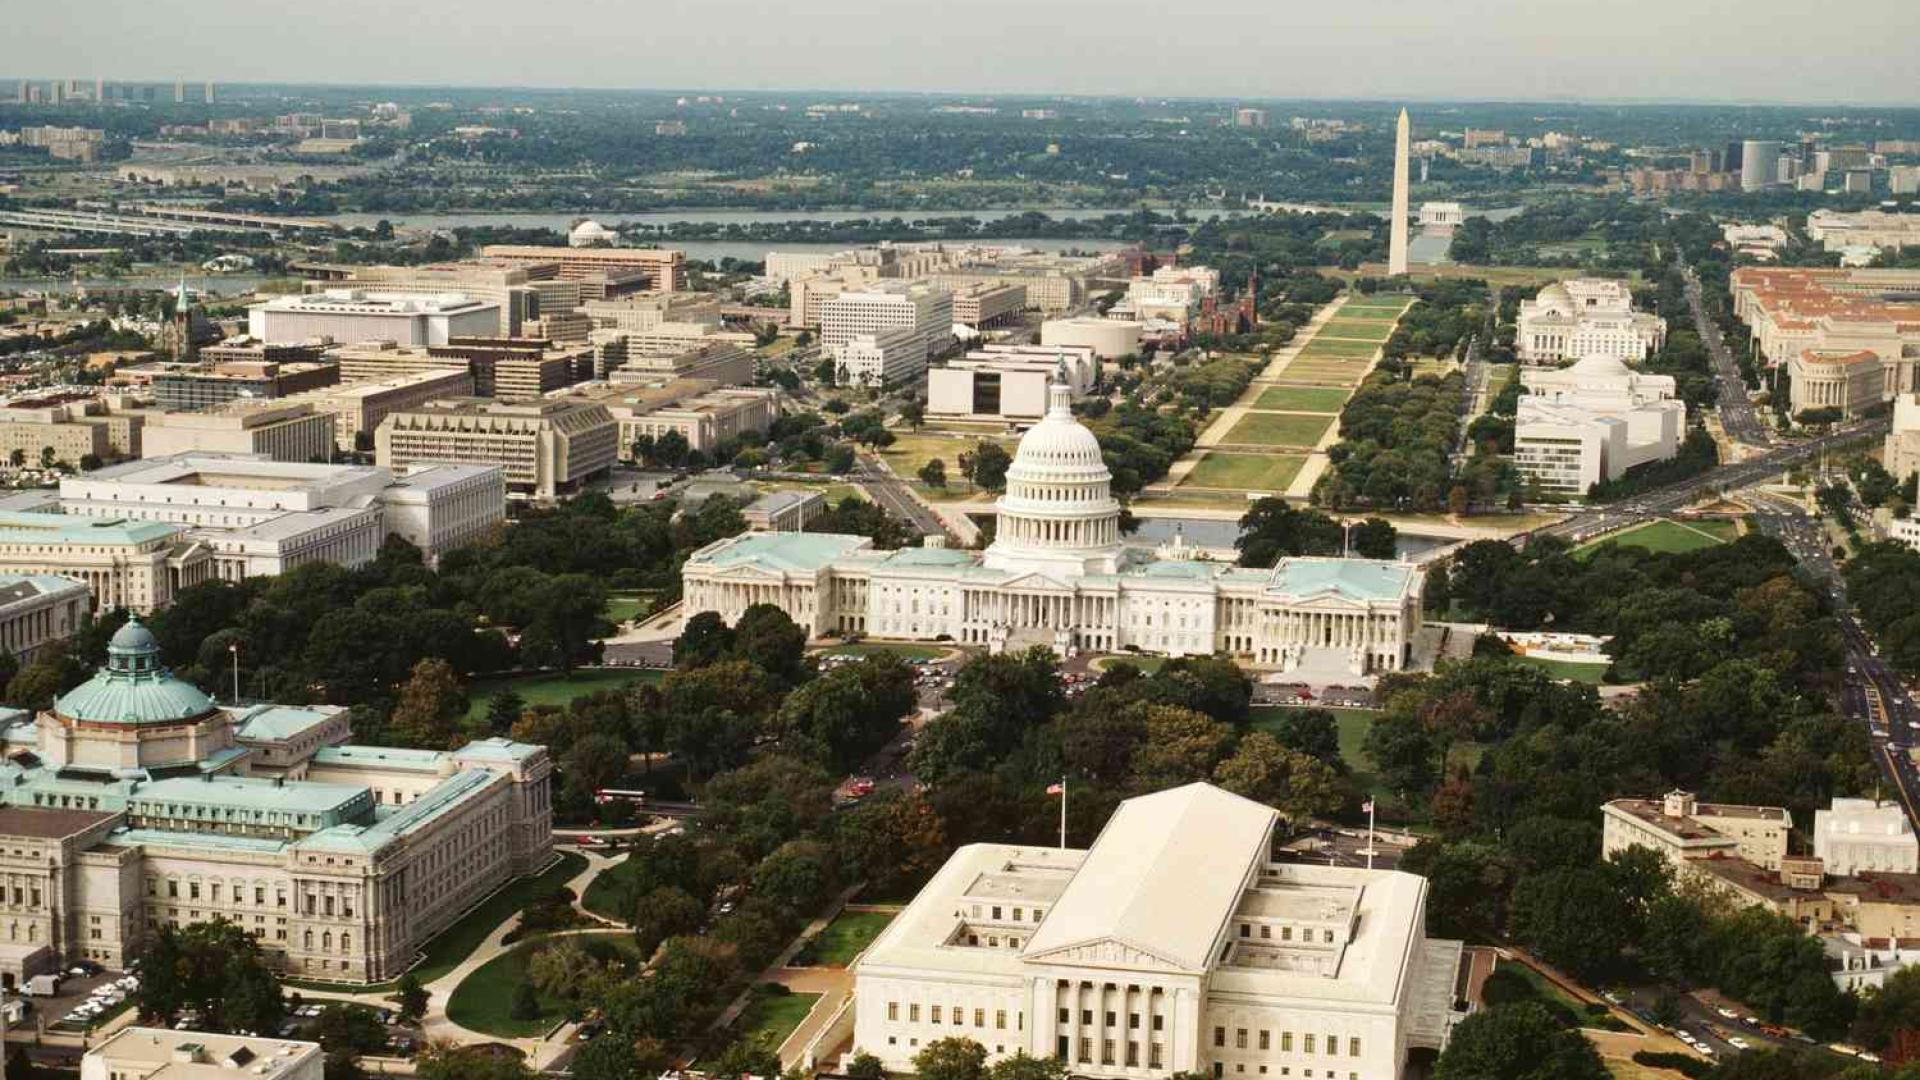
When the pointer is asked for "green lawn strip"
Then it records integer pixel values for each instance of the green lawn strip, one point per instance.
(1591, 674)
(1343, 349)
(869, 648)
(622, 609)
(606, 890)
(483, 1001)
(554, 688)
(1301, 399)
(1146, 664)
(1373, 313)
(847, 935)
(769, 1018)
(457, 942)
(1245, 472)
(1279, 429)
(1363, 329)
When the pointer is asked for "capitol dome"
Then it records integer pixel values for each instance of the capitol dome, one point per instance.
(1058, 514)
(134, 688)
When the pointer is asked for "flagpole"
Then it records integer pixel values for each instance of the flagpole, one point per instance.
(1063, 812)
(1369, 834)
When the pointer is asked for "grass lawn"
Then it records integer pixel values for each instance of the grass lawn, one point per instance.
(1323, 347)
(1590, 674)
(769, 1018)
(912, 449)
(1366, 329)
(1245, 472)
(1146, 664)
(1354, 311)
(1664, 536)
(1301, 399)
(554, 688)
(625, 608)
(1279, 429)
(605, 891)
(483, 1001)
(1353, 725)
(848, 934)
(456, 942)
(1395, 303)
(868, 648)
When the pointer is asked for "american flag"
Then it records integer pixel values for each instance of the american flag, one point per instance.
(1057, 788)
(1367, 807)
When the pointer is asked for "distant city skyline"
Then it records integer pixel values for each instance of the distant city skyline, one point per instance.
(1512, 50)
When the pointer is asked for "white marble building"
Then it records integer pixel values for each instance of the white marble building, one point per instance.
(1175, 944)
(1578, 426)
(1059, 575)
(1586, 317)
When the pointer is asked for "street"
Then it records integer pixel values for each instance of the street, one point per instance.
(1737, 416)
(897, 497)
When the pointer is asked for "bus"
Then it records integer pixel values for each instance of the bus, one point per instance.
(605, 795)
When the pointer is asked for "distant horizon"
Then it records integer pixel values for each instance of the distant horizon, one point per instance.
(1409, 101)
(1765, 52)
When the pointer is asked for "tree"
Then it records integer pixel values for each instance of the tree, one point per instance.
(665, 912)
(913, 413)
(608, 1057)
(430, 707)
(705, 639)
(560, 970)
(865, 1066)
(1313, 732)
(213, 968)
(951, 1058)
(451, 1061)
(526, 1002)
(1297, 784)
(1575, 918)
(503, 709)
(768, 638)
(1181, 746)
(1273, 528)
(986, 465)
(1374, 538)
(934, 473)
(1023, 1066)
(1521, 1041)
(410, 998)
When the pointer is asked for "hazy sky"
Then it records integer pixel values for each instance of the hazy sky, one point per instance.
(1743, 50)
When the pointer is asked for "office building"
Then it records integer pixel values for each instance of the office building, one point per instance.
(651, 356)
(1836, 313)
(784, 511)
(136, 565)
(1249, 118)
(1586, 317)
(349, 316)
(645, 312)
(279, 430)
(1901, 454)
(924, 310)
(179, 387)
(1008, 382)
(440, 507)
(1849, 381)
(512, 288)
(988, 304)
(70, 427)
(1058, 575)
(1682, 828)
(140, 807)
(517, 369)
(144, 1053)
(546, 448)
(1108, 338)
(1855, 835)
(1879, 229)
(1759, 164)
(358, 407)
(37, 610)
(1174, 945)
(700, 410)
(888, 358)
(1589, 423)
(662, 269)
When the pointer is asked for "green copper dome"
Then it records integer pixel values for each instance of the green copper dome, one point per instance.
(133, 688)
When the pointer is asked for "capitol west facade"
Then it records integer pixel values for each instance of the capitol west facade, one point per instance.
(1058, 575)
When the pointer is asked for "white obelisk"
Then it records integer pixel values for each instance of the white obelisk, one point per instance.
(1397, 238)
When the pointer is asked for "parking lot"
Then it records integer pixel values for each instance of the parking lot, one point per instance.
(83, 1001)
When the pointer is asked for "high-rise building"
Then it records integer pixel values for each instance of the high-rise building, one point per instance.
(887, 306)
(546, 447)
(1759, 164)
(1397, 237)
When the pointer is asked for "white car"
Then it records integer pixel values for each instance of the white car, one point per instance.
(1728, 1013)
(1738, 1043)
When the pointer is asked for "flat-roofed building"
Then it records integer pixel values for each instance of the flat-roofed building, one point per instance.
(137, 565)
(1789, 310)
(279, 430)
(987, 304)
(1108, 338)
(1855, 835)
(513, 288)
(700, 410)
(1591, 422)
(885, 358)
(1901, 454)
(73, 426)
(1836, 230)
(1850, 381)
(925, 310)
(358, 407)
(649, 357)
(648, 311)
(355, 315)
(664, 269)
(144, 1053)
(1174, 945)
(784, 511)
(37, 610)
(1681, 827)
(519, 369)
(1008, 382)
(545, 448)
(439, 507)
(189, 387)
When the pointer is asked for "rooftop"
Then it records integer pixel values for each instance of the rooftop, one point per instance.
(802, 552)
(47, 824)
(1353, 579)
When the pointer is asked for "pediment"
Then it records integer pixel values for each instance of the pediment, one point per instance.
(746, 572)
(1106, 952)
(1036, 583)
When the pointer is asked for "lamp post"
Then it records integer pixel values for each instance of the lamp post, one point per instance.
(233, 648)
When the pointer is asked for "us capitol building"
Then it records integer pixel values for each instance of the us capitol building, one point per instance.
(1058, 575)
(136, 802)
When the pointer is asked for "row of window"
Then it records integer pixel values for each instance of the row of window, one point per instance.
(959, 1015)
(1286, 933)
(1331, 1043)
(1112, 1018)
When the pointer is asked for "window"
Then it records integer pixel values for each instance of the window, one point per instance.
(1219, 1036)
(1240, 1038)
(1333, 1045)
(1158, 1022)
(959, 1016)
(893, 1010)
(1266, 932)
(1286, 1042)
(1106, 1052)
(1086, 1016)
(979, 1018)
(1133, 1055)
(1000, 1020)
(1266, 1040)
(1110, 1018)
(1306, 1042)
(1066, 1016)
(1153, 1055)
(936, 1014)
(1060, 1048)
(1133, 1021)
(1245, 930)
(1353, 1046)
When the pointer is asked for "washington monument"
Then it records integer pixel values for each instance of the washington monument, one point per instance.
(1397, 238)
